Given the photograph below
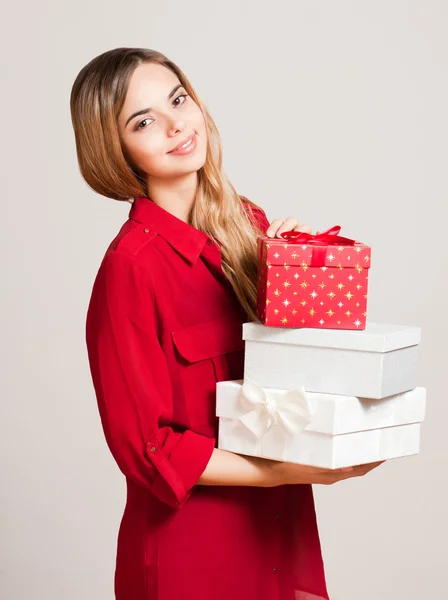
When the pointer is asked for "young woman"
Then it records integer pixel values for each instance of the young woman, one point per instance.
(164, 324)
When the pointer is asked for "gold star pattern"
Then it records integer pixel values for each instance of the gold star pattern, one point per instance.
(303, 303)
(276, 311)
(349, 295)
(304, 266)
(312, 312)
(286, 283)
(268, 301)
(322, 285)
(284, 320)
(331, 295)
(268, 283)
(304, 284)
(341, 286)
(348, 313)
(277, 292)
(294, 312)
(294, 255)
(286, 266)
(330, 313)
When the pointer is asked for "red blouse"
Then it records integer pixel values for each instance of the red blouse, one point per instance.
(163, 326)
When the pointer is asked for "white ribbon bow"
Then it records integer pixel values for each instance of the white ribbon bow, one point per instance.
(291, 411)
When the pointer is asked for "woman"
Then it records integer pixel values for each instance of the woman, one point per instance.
(164, 324)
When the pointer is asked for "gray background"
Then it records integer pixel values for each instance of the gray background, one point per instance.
(332, 111)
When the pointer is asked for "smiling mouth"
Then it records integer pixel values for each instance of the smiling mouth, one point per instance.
(187, 143)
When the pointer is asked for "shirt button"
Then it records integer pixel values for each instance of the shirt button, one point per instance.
(153, 448)
(275, 570)
(146, 230)
(277, 516)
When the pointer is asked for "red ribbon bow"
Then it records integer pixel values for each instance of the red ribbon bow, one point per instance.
(325, 238)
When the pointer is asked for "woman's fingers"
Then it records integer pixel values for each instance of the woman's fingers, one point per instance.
(289, 224)
(278, 226)
(359, 470)
(304, 228)
(273, 227)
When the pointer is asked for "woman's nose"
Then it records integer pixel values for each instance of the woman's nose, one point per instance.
(175, 126)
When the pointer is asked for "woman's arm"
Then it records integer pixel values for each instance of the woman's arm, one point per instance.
(226, 468)
(133, 386)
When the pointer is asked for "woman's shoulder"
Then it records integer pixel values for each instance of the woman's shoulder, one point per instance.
(131, 238)
(128, 255)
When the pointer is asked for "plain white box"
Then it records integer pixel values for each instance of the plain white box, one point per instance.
(325, 451)
(343, 431)
(374, 363)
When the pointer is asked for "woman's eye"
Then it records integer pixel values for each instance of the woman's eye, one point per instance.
(141, 124)
(181, 96)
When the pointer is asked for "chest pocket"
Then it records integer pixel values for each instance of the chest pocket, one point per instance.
(209, 352)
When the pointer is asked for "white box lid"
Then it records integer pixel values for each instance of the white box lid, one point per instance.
(375, 337)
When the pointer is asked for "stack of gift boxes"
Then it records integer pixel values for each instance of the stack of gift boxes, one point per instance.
(322, 386)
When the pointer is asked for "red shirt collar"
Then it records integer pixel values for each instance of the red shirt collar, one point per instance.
(184, 238)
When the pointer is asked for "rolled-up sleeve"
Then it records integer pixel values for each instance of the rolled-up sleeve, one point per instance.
(132, 384)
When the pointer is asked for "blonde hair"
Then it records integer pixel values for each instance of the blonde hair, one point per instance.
(97, 97)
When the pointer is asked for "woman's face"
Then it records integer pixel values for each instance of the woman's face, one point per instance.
(167, 117)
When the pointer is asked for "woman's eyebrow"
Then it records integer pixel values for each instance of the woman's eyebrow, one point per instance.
(145, 110)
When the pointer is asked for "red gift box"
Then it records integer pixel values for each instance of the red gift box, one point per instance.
(317, 281)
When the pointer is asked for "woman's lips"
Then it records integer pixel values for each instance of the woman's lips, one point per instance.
(191, 146)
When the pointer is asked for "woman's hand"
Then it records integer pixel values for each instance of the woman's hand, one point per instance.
(291, 224)
(291, 473)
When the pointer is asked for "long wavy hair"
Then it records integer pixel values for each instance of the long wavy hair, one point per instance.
(97, 97)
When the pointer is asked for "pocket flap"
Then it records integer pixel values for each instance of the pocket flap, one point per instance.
(212, 338)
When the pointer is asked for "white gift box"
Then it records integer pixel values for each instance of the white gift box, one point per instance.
(322, 430)
(374, 363)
